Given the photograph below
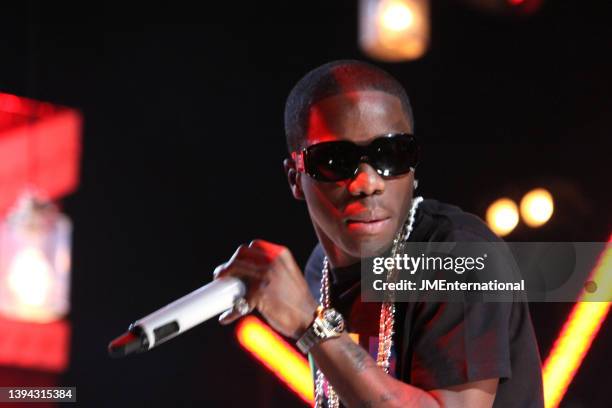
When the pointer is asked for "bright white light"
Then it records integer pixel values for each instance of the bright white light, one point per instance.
(537, 207)
(502, 216)
(35, 261)
(394, 30)
(396, 16)
(29, 277)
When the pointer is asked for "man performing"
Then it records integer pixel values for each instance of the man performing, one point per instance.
(349, 130)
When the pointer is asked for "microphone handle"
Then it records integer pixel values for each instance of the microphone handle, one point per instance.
(179, 316)
(191, 310)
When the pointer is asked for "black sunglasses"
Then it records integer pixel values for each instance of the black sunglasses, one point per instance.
(390, 155)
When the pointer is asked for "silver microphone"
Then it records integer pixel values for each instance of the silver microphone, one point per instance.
(178, 316)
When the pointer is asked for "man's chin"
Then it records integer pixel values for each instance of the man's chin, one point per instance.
(368, 247)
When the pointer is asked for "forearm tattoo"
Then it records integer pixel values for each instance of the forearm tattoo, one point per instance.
(361, 360)
(388, 396)
(358, 356)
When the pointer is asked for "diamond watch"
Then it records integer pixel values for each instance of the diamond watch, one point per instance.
(327, 324)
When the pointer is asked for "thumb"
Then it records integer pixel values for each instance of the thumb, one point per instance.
(229, 316)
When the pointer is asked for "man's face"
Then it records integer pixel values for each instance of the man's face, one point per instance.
(357, 217)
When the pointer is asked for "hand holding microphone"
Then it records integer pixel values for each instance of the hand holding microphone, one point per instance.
(276, 287)
(261, 275)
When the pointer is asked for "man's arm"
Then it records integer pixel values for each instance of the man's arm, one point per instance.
(360, 383)
(277, 289)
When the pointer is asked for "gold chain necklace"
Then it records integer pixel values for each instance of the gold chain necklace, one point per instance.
(387, 316)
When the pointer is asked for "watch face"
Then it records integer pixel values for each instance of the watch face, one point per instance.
(334, 319)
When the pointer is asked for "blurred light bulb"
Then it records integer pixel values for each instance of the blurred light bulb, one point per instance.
(394, 30)
(502, 216)
(35, 261)
(29, 277)
(396, 16)
(537, 207)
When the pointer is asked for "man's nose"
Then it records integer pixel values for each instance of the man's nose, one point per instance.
(366, 182)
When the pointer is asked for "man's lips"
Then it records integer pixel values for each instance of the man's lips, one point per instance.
(367, 223)
(368, 227)
(365, 214)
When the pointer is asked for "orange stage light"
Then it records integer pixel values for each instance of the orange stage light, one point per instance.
(502, 216)
(276, 354)
(577, 334)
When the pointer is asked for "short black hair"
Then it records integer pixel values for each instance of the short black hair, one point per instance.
(334, 78)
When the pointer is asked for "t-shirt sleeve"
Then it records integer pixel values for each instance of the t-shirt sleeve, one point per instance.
(456, 343)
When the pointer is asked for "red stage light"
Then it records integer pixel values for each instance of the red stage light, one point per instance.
(35, 346)
(39, 147)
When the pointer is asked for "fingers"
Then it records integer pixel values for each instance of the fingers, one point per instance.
(239, 269)
(245, 305)
(249, 265)
(270, 250)
(218, 270)
(257, 264)
(252, 253)
(243, 262)
(233, 314)
(280, 257)
(229, 317)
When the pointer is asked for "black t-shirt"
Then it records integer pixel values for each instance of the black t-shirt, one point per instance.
(438, 345)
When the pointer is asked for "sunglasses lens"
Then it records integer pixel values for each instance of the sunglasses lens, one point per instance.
(394, 155)
(332, 161)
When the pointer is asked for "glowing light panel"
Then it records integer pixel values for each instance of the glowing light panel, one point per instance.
(276, 354)
(577, 335)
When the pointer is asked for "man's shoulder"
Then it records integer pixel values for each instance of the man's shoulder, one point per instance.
(438, 222)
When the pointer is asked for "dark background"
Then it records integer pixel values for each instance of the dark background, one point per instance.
(184, 140)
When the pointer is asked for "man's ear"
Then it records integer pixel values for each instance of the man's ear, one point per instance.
(292, 178)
